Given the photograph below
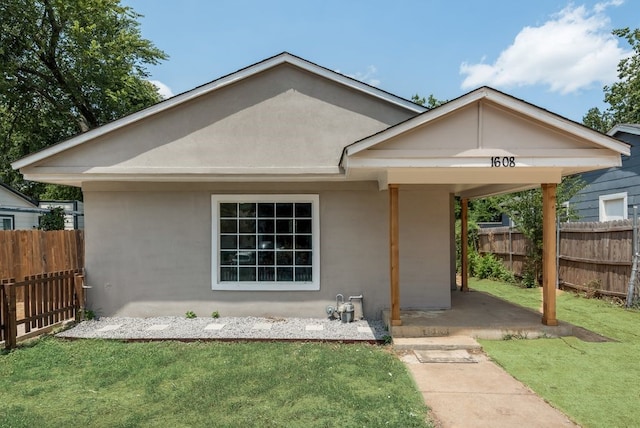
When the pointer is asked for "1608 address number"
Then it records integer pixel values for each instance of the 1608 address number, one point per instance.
(503, 162)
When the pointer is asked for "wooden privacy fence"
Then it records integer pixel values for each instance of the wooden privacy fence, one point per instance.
(27, 252)
(591, 256)
(48, 299)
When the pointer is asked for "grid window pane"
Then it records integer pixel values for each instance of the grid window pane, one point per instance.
(266, 210)
(303, 226)
(229, 274)
(284, 258)
(247, 274)
(228, 241)
(228, 257)
(303, 210)
(247, 226)
(228, 210)
(266, 258)
(303, 242)
(284, 242)
(247, 242)
(229, 226)
(266, 274)
(266, 226)
(285, 274)
(265, 241)
(246, 210)
(246, 257)
(284, 226)
(284, 210)
(303, 258)
(304, 274)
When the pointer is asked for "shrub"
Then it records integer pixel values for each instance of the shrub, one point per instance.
(489, 267)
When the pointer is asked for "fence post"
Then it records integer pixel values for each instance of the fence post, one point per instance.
(10, 321)
(634, 265)
(78, 285)
(558, 252)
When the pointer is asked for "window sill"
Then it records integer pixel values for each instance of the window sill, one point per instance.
(266, 286)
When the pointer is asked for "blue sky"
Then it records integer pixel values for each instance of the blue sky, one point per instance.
(555, 54)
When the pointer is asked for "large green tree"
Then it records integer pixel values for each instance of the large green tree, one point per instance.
(67, 66)
(623, 96)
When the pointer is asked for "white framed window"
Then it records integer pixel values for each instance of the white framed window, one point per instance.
(265, 242)
(613, 207)
(6, 222)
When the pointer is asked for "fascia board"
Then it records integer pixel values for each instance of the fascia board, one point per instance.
(629, 128)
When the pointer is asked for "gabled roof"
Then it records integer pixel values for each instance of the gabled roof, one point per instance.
(497, 97)
(283, 58)
(482, 143)
(19, 194)
(628, 128)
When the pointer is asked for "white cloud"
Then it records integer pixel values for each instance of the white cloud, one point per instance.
(164, 91)
(573, 50)
(366, 76)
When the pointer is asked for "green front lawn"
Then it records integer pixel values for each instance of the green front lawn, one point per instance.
(596, 384)
(171, 384)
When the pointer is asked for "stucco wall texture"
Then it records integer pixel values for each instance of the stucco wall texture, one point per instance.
(161, 243)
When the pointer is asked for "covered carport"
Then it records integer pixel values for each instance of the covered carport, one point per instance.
(481, 144)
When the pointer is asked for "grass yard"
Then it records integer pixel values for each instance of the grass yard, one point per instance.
(96, 383)
(596, 384)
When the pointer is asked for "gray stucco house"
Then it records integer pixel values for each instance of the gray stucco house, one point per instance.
(610, 194)
(272, 189)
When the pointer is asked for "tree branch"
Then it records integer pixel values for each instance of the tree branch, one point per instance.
(89, 119)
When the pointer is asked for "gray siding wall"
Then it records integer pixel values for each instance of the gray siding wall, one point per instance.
(148, 250)
(21, 220)
(613, 180)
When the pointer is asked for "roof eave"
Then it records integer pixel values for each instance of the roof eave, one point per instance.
(210, 87)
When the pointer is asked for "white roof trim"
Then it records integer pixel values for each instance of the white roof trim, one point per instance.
(212, 86)
(629, 128)
(499, 98)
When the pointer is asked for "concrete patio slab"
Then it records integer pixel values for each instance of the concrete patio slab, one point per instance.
(476, 314)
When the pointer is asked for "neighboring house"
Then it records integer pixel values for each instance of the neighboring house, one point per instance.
(74, 212)
(274, 188)
(610, 194)
(14, 210)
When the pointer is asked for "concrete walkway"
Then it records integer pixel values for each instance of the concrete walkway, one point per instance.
(474, 394)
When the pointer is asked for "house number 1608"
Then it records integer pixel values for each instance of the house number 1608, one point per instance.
(503, 162)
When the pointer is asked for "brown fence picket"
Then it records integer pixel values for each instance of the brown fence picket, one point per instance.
(28, 252)
(44, 304)
(594, 256)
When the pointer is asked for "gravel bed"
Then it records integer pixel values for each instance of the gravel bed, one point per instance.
(228, 328)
